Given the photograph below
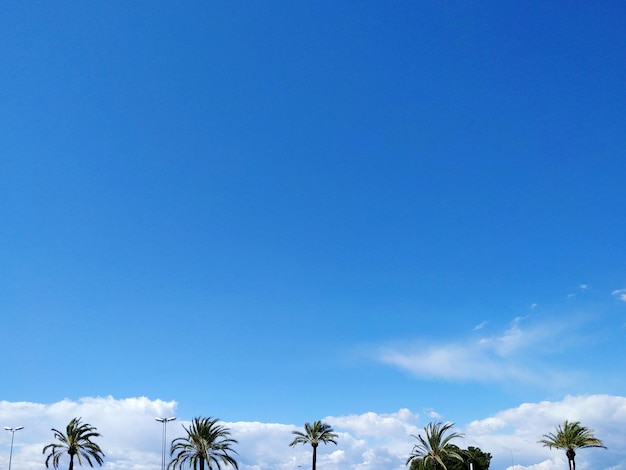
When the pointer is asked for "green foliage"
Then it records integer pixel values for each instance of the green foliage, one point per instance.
(480, 460)
(571, 436)
(430, 452)
(207, 442)
(77, 443)
(314, 434)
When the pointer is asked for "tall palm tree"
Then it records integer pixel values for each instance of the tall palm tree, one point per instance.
(430, 452)
(571, 436)
(314, 434)
(207, 442)
(77, 442)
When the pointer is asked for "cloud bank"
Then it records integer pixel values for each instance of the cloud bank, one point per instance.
(131, 439)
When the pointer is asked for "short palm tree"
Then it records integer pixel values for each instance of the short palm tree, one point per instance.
(207, 442)
(571, 436)
(77, 442)
(314, 434)
(429, 453)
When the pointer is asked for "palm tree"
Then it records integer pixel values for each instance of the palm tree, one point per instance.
(77, 442)
(207, 442)
(314, 434)
(571, 436)
(430, 452)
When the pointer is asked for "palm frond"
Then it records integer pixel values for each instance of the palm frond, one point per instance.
(208, 442)
(76, 442)
(430, 451)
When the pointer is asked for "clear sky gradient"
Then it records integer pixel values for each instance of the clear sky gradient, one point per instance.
(283, 211)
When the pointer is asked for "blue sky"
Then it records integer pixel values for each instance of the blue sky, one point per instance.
(279, 211)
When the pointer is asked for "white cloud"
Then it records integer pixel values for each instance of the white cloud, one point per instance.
(131, 439)
(378, 425)
(620, 294)
(434, 415)
(480, 326)
(495, 358)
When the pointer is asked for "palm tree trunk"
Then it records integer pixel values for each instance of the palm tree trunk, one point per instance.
(570, 458)
(201, 463)
(71, 462)
(314, 457)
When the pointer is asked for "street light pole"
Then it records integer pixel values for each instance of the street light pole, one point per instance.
(164, 421)
(12, 430)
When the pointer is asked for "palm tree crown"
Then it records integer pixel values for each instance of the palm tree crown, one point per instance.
(571, 436)
(77, 442)
(430, 452)
(314, 434)
(206, 441)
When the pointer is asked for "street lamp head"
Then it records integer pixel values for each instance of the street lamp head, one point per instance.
(165, 420)
(12, 436)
